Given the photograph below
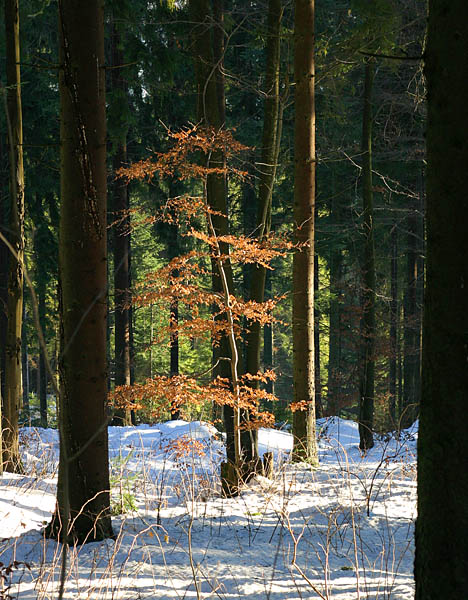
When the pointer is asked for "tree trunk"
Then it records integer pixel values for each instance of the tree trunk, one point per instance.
(208, 104)
(268, 339)
(411, 334)
(4, 260)
(12, 387)
(83, 498)
(366, 406)
(4, 255)
(305, 443)
(441, 560)
(335, 366)
(393, 328)
(267, 174)
(40, 257)
(25, 367)
(173, 251)
(318, 384)
(42, 378)
(121, 205)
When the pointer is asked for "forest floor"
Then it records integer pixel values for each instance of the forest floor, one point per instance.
(343, 531)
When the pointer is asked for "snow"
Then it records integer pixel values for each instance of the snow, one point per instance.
(343, 531)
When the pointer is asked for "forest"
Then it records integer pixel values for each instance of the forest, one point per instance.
(233, 316)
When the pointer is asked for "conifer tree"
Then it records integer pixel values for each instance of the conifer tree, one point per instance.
(83, 496)
(13, 377)
(441, 560)
(305, 443)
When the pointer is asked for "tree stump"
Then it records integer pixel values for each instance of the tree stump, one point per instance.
(268, 465)
(229, 479)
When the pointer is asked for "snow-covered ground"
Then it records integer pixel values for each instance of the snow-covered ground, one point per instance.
(343, 531)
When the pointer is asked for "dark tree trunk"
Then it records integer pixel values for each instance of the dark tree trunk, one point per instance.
(12, 386)
(393, 327)
(40, 251)
(441, 560)
(4, 260)
(411, 334)
(335, 367)
(174, 251)
(268, 160)
(42, 375)
(318, 384)
(83, 496)
(268, 338)
(121, 215)
(366, 405)
(25, 367)
(209, 114)
(305, 443)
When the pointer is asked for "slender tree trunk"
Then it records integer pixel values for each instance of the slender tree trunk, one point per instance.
(218, 57)
(41, 291)
(318, 384)
(209, 114)
(4, 254)
(305, 443)
(267, 174)
(4, 260)
(25, 367)
(441, 559)
(174, 251)
(268, 338)
(83, 498)
(366, 407)
(42, 378)
(393, 327)
(12, 388)
(335, 367)
(121, 207)
(411, 326)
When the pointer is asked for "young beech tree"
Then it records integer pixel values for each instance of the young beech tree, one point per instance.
(210, 113)
(185, 278)
(83, 497)
(441, 560)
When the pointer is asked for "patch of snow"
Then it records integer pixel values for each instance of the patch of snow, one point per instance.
(331, 531)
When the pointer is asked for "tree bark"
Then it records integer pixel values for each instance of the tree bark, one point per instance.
(83, 497)
(174, 251)
(121, 205)
(208, 112)
(305, 443)
(366, 405)
(441, 559)
(267, 174)
(335, 366)
(318, 383)
(268, 339)
(40, 251)
(393, 328)
(12, 387)
(411, 334)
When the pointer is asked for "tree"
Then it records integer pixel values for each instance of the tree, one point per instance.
(441, 561)
(209, 113)
(122, 277)
(270, 146)
(366, 388)
(83, 497)
(305, 443)
(12, 388)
